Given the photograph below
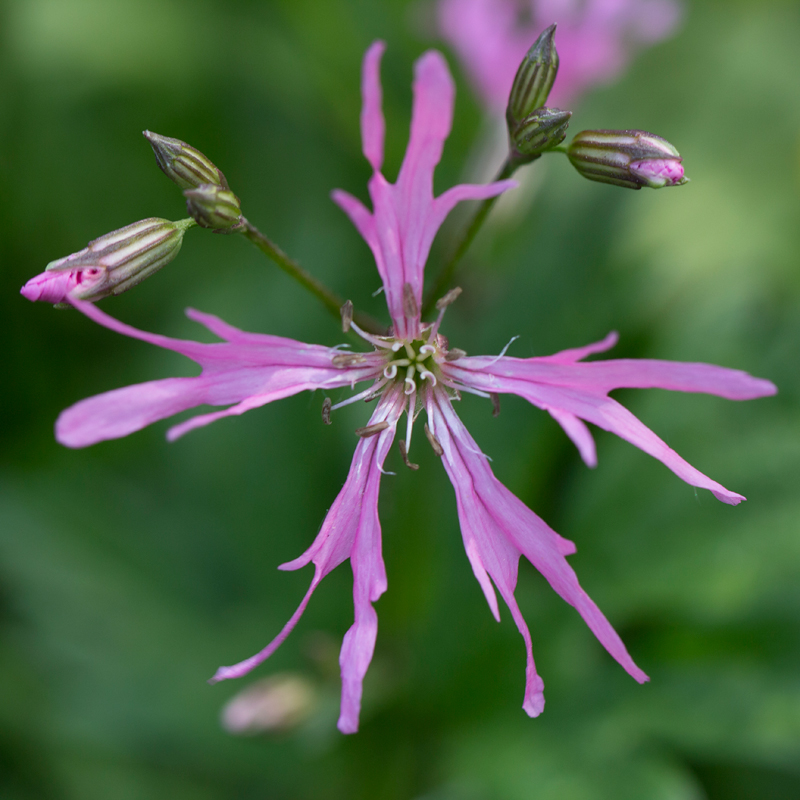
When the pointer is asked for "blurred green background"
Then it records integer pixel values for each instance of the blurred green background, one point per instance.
(131, 570)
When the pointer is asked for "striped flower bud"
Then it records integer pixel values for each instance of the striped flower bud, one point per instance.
(184, 164)
(626, 158)
(534, 78)
(214, 207)
(540, 130)
(111, 264)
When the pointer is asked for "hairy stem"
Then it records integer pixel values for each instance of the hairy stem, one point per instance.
(445, 278)
(332, 301)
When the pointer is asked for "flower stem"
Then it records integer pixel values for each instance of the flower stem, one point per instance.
(332, 301)
(445, 277)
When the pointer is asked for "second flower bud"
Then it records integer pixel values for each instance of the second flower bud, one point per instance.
(214, 207)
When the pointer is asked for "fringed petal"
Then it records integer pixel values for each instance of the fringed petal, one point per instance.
(351, 530)
(497, 528)
(572, 391)
(248, 370)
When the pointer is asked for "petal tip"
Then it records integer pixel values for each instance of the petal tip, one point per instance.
(534, 705)
(347, 725)
(729, 498)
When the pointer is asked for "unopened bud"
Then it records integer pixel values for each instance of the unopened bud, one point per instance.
(539, 131)
(214, 207)
(184, 164)
(534, 78)
(278, 703)
(626, 158)
(111, 264)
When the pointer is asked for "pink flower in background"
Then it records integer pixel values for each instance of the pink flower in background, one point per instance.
(595, 40)
(411, 369)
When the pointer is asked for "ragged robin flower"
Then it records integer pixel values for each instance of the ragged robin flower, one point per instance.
(409, 370)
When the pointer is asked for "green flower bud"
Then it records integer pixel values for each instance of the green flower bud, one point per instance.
(111, 264)
(632, 159)
(214, 207)
(184, 164)
(540, 130)
(534, 78)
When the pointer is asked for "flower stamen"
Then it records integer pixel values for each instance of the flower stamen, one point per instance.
(435, 444)
(404, 452)
(371, 430)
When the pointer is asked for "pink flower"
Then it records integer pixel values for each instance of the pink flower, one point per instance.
(412, 369)
(595, 39)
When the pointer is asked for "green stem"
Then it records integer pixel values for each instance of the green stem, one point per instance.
(332, 301)
(445, 277)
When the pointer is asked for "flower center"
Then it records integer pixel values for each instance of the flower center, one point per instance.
(412, 361)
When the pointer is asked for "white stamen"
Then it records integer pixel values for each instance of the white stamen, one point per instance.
(396, 346)
(361, 395)
(477, 452)
(503, 351)
(427, 350)
(410, 424)
(390, 371)
(375, 340)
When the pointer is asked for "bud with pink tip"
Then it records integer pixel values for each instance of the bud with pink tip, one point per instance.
(632, 159)
(111, 264)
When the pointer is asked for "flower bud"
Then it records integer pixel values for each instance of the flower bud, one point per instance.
(184, 164)
(214, 207)
(542, 129)
(626, 158)
(278, 703)
(534, 78)
(111, 264)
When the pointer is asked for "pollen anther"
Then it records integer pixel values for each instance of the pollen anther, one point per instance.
(371, 430)
(435, 444)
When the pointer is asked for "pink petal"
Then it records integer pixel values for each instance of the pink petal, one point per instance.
(359, 215)
(351, 530)
(448, 200)
(51, 286)
(249, 370)
(373, 126)
(497, 528)
(604, 412)
(579, 353)
(406, 217)
(626, 373)
(579, 434)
